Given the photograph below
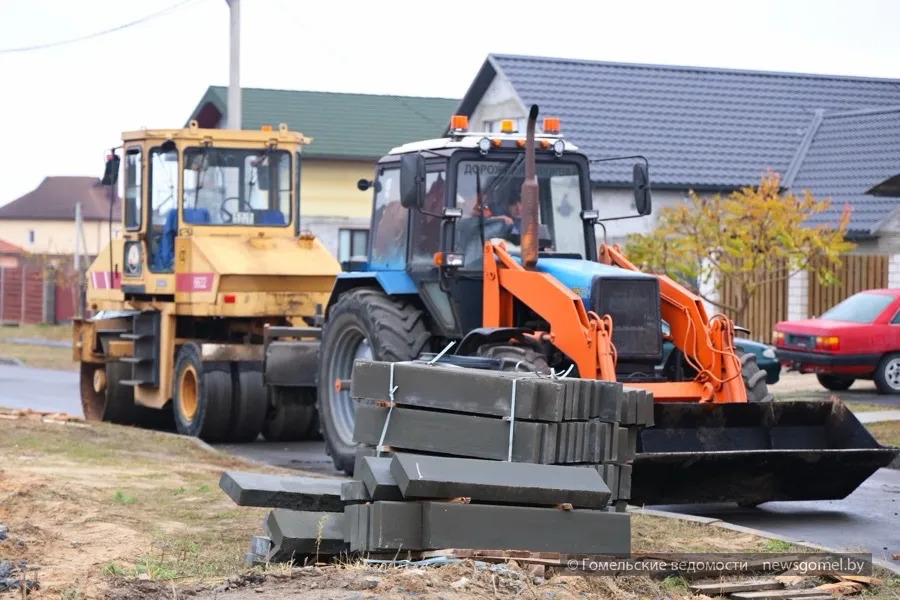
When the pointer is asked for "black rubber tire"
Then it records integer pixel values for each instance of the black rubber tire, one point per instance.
(880, 375)
(119, 407)
(835, 383)
(292, 416)
(212, 417)
(249, 404)
(513, 356)
(395, 331)
(754, 379)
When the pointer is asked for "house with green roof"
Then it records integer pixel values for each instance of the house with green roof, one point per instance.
(350, 133)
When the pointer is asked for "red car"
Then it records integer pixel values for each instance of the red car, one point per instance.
(858, 338)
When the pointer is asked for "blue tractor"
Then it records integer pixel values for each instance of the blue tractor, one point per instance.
(488, 240)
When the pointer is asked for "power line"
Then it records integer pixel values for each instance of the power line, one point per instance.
(89, 36)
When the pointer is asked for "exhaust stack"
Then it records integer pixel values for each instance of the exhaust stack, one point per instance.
(530, 199)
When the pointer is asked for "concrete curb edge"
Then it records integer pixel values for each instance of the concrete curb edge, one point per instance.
(894, 568)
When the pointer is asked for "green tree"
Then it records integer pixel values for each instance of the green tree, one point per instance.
(752, 237)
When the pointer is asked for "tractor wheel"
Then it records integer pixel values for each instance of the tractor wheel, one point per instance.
(249, 404)
(516, 358)
(292, 417)
(754, 379)
(363, 324)
(202, 398)
(835, 383)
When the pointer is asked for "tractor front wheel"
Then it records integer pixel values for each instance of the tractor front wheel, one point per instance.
(754, 379)
(364, 324)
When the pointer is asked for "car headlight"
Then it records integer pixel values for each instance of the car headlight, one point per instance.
(769, 353)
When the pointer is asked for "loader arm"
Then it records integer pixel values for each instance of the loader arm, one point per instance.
(707, 344)
(583, 336)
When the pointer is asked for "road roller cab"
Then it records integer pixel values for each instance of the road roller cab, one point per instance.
(211, 252)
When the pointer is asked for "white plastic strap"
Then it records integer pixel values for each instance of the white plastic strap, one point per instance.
(441, 353)
(512, 421)
(391, 389)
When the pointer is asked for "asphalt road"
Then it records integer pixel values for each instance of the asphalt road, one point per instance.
(57, 391)
(866, 519)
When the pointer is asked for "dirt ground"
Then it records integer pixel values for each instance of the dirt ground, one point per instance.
(100, 511)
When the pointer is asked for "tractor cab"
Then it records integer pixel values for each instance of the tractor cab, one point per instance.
(437, 202)
(185, 183)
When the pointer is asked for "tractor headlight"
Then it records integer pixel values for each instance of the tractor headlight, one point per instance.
(484, 144)
(769, 353)
(559, 147)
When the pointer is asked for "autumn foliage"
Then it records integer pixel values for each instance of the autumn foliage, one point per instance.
(750, 238)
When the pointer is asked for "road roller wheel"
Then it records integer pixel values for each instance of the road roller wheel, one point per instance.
(250, 403)
(202, 397)
(292, 416)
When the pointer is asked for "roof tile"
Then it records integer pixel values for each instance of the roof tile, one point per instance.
(55, 199)
(850, 153)
(697, 126)
(350, 126)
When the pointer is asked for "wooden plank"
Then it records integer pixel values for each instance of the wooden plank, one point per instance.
(777, 595)
(728, 587)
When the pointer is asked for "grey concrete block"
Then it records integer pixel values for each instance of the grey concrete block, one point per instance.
(359, 529)
(607, 401)
(299, 533)
(454, 434)
(351, 521)
(627, 444)
(375, 473)
(500, 482)
(282, 491)
(645, 408)
(497, 527)
(354, 492)
(394, 526)
(610, 475)
(471, 391)
(624, 491)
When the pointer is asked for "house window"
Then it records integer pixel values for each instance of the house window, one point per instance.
(352, 243)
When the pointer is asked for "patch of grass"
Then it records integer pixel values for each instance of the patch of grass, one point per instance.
(59, 333)
(674, 584)
(777, 546)
(887, 433)
(121, 497)
(71, 594)
(39, 357)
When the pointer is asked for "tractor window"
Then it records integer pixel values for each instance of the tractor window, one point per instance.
(163, 194)
(426, 228)
(490, 194)
(133, 181)
(225, 186)
(389, 222)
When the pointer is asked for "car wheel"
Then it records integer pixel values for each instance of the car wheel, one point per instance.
(887, 374)
(835, 383)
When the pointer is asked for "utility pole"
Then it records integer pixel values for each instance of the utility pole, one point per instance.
(78, 237)
(234, 71)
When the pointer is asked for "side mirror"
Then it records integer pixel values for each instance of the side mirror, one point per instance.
(111, 172)
(363, 184)
(412, 180)
(641, 186)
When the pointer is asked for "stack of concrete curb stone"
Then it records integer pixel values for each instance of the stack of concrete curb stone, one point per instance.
(460, 458)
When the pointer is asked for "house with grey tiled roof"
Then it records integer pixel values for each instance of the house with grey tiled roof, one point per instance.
(710, 130)
(350, 133)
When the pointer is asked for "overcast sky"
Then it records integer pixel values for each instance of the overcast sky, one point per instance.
(62, 107)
